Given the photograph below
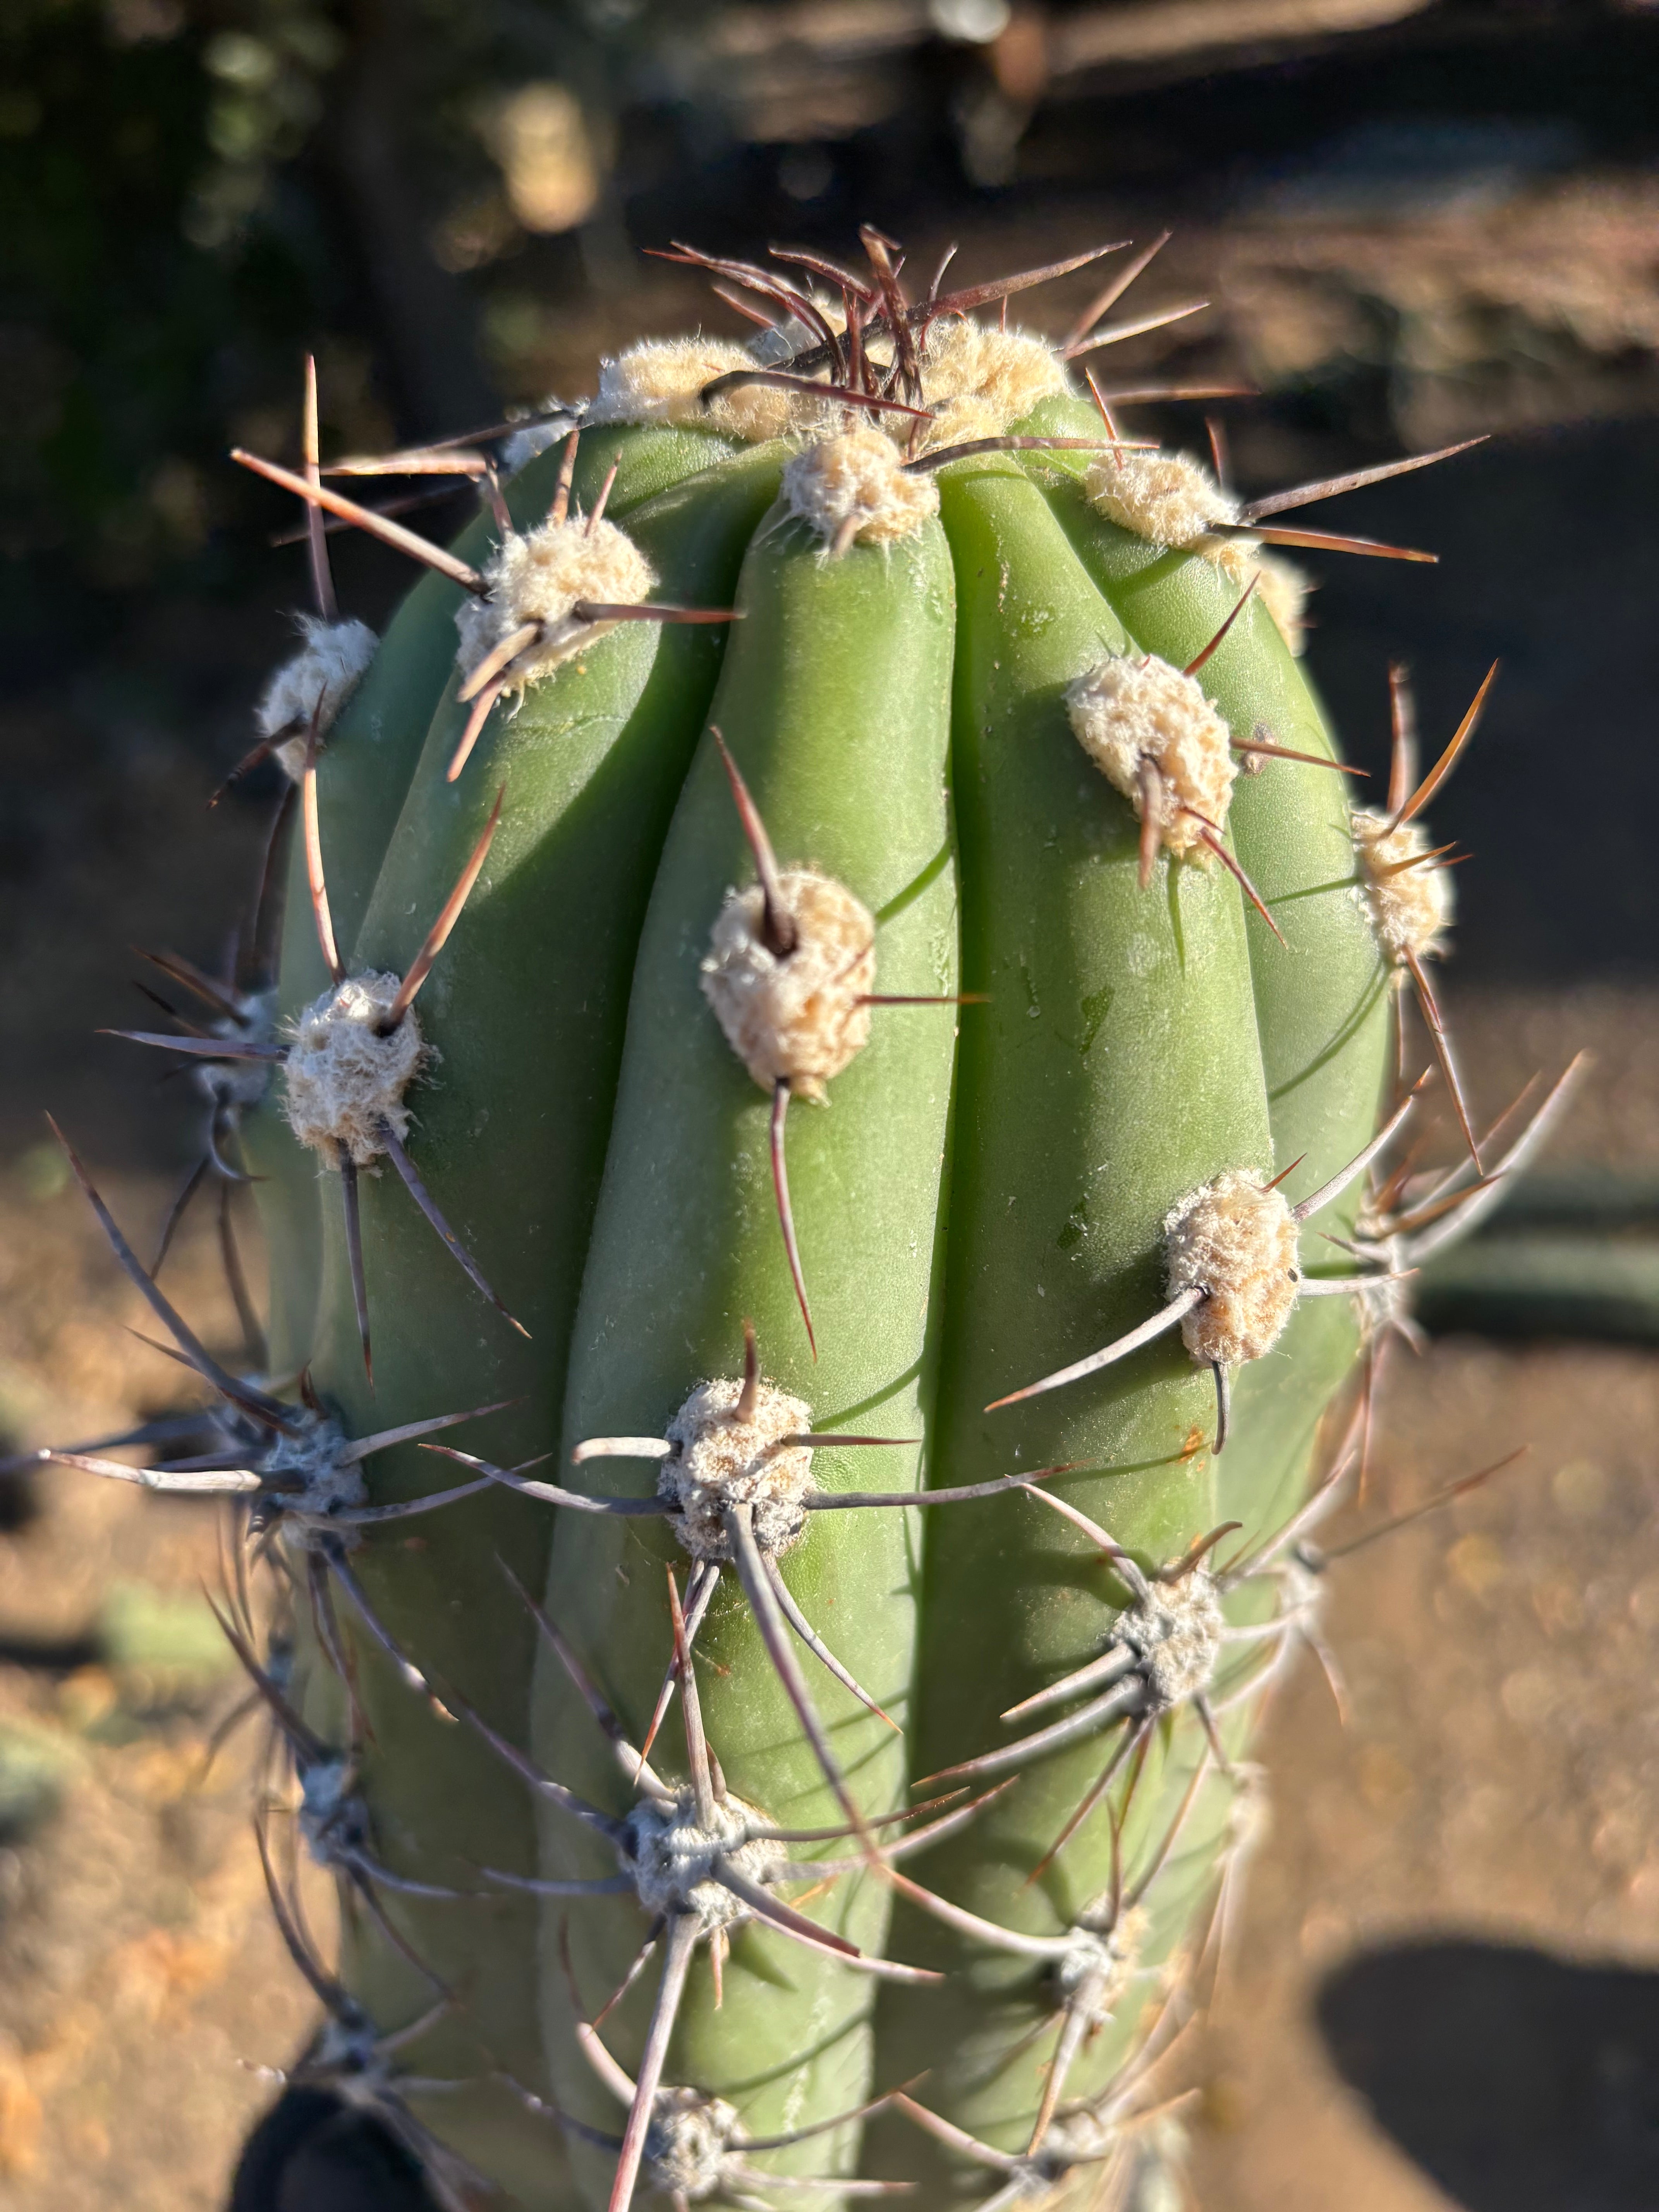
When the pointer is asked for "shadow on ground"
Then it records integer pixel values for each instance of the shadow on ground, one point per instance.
(311, 2153)
(1520, 2082)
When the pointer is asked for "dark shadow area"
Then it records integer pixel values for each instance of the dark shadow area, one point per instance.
(19, 1499)
(311, 2153)
(1194, 134)
(1519, 2083)
(1540, 539)
(50, 1655)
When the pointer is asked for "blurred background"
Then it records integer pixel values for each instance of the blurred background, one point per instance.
(1413, 221)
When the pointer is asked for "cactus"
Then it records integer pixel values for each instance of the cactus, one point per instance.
(770, 1605)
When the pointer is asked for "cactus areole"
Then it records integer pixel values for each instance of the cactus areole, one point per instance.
(773, 1622)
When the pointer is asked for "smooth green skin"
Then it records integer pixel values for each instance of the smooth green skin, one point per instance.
(364, 767)
(541, 956)
(1121, 1027)
(834, 701)
(291, 1220)
(650, 458)
(1322, 998)
(364, 774)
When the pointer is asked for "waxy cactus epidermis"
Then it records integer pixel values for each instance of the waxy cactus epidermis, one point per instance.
(1121, 1022)
(1119, 1065)
(1321, 992)
(834, 701)
(538, 966)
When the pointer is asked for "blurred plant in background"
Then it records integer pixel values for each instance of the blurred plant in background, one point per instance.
(1415, 219)
(190, 191)
(443, 197)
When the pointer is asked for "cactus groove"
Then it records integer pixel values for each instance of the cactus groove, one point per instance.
(818, 1117)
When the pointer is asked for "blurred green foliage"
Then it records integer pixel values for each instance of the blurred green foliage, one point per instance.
(154, 289)
(192, 192)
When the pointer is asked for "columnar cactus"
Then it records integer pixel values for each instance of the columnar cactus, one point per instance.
(789, 1736)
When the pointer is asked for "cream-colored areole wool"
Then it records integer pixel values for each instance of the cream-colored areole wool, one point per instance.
(799, 1016)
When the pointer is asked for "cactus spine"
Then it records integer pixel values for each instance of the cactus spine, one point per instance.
(821, 1039)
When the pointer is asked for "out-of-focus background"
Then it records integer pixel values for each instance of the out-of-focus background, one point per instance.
(1413, 221)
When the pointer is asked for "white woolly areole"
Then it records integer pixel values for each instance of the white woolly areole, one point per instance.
(304, 1467)
(1237, 1242)
(539, 578)
(1411, 908)
(1132, 709)
(347, 2055)
(332, 1818)
(533, 438)
(325, 670)
(239, 1083)
(1174, 1632)
(719, 1461)
(1166, 497)
(797, 1014)
(344, 1079)
(660, 380)
(688, 2141)
(672, 1858)
(859, 478)
(1280, 585)
(978, 380)
(1096, 1968)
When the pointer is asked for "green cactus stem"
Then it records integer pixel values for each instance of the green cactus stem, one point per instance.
(833, 1024)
